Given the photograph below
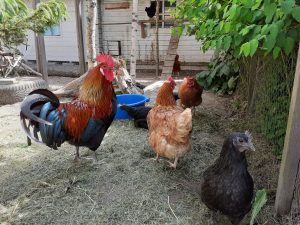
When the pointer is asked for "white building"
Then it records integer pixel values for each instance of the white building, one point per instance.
(114, 35)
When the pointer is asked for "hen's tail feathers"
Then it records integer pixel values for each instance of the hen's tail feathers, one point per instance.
(39, 108)
(176, 96)
(184, 124)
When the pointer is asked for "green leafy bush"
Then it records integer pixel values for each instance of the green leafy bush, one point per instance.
(242, 27)
(221, 76)
(256, 30)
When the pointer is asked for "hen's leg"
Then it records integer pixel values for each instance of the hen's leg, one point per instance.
(193, 110)
(77, 156)
(215, 217)
(155, 158)
(173, 165)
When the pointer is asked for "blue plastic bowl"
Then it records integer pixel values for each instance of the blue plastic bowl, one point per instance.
(130, 100)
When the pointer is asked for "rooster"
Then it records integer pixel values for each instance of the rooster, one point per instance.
(227, 185)
(83, 121)
(170, 126)
(190, 92)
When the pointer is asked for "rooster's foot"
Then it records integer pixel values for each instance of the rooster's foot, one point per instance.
(77, 159)
(173, 165)
(94, 159)
(77, 155)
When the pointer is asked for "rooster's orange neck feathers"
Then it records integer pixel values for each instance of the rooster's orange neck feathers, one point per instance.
(165, 95)
(94, 102)
(95, 88)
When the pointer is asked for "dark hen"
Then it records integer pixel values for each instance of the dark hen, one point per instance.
(151, 10)
(139, 114)
(227, 185)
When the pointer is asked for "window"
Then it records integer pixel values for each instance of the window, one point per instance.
(53, 31)
(164, 14)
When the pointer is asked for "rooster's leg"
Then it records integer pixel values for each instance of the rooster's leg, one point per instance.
(93, 158)
(77, 156)
(173, 165)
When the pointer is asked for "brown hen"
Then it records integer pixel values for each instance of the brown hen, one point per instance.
(170, 126)
(190, 92)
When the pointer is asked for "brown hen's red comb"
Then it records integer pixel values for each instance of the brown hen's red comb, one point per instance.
(172, 81)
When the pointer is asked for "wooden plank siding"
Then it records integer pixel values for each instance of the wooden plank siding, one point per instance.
(114, 25)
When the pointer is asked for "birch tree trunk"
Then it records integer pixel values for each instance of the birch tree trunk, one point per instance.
(134, 27)
(156, 37)
(91, 32)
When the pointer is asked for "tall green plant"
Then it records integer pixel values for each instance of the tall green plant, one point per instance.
(242, 26)
(16, 19)
(222, 74)
(259, 202)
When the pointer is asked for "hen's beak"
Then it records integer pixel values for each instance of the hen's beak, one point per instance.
(251, 146)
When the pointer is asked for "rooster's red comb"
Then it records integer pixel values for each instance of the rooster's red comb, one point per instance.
(105, 59)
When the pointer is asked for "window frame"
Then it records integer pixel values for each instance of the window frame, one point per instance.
(162, 13)
(51, 34)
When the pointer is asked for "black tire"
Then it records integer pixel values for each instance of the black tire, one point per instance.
(16, 92)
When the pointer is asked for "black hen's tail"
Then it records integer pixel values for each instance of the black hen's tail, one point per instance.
(139, 114)
(39, 111)
(176, 96)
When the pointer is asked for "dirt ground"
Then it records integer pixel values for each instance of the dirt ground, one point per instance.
(43, 186)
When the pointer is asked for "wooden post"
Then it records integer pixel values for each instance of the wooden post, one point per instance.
(157, 37)
(291, 154)
(41, 61)
(82, 65)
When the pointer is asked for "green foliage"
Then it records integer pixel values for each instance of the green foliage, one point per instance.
(273, 100)
(16, 19)
(242, 27)
(260, 201)
(221, 76)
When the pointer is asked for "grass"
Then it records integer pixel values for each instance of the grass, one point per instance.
(42, 186)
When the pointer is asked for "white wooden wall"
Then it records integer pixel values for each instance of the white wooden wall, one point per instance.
(64, 47)
(188, 49)
(58, 48)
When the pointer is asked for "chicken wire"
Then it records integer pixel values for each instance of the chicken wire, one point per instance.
(273, 95)
(295, 211)
(266, 86)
